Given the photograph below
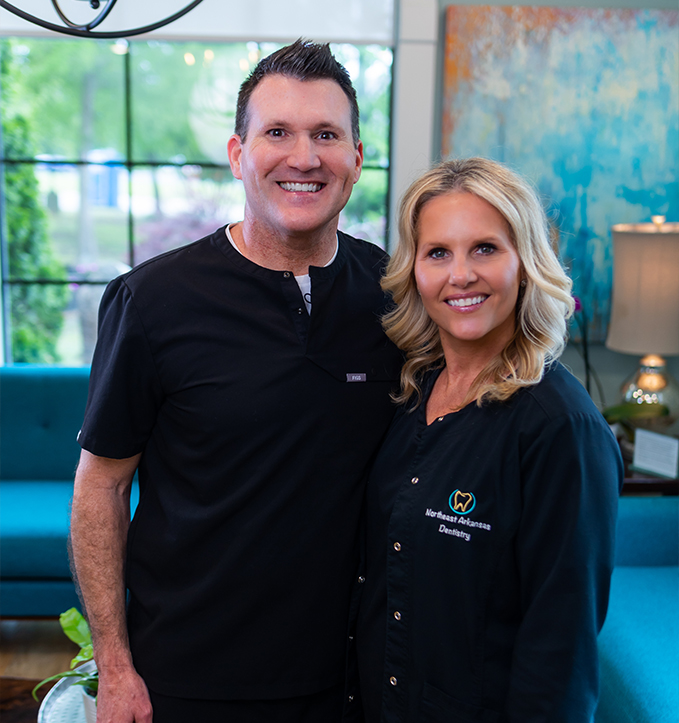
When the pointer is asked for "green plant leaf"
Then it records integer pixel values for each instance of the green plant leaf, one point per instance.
(75, 627)
(83, 656)
(66, 674)
(632, 410)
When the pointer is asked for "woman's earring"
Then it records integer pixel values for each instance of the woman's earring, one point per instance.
(523, 283)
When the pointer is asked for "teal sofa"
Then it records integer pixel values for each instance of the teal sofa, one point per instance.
(639, 643)
(41, 410)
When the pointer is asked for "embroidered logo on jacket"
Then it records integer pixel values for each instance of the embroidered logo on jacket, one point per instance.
(462, 502)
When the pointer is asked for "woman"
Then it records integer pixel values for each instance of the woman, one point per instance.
(492, 503)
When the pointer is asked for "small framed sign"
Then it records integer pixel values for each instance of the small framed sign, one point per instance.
(656, 454)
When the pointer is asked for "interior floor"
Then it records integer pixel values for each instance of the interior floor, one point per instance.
(34, 649)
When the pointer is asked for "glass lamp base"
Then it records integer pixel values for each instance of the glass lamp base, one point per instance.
(656, 392)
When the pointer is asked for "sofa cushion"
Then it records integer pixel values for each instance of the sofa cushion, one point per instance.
(34, 528)
(34, 520)
(639, 647)
(29, 598)
(648, 531)
(41, 410)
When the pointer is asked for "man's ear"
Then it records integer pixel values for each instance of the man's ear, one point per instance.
(359, 161)
(235, 150)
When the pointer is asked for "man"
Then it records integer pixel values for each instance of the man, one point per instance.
(247, 378)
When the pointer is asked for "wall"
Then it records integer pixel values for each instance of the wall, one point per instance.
(415, 90)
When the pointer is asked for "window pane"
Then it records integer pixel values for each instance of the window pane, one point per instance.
(370, 69)
(54, 324)
(365, 214)
(30, 252)
(184, 99)
(78, 335)
(36, 321)
(52, 235)
(88, 222)
(70, 92)
(174, 206)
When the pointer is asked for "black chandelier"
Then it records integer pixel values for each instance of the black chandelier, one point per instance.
(85, 31)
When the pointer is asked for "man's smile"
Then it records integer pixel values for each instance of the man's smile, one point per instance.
(301, 187)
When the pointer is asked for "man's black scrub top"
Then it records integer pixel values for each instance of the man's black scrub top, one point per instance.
(256, 423)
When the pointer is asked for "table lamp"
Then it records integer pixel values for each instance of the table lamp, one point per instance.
(645, 316)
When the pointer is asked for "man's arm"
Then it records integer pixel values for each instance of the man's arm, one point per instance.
(100, 518)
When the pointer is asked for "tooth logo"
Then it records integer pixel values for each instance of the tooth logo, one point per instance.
(462, 502)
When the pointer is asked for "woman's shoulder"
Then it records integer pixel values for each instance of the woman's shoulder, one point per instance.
(559, 415)
(560, 394)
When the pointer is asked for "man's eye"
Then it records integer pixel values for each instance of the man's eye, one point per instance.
(326, 136)
(276, 132)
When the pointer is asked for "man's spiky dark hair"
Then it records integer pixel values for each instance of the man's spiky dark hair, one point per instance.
(303, 60)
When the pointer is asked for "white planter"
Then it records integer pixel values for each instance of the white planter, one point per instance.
(90, 706)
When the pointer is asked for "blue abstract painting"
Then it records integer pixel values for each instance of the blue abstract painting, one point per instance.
(585, 102)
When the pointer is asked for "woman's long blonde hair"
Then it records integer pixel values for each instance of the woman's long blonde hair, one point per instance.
(544, 304)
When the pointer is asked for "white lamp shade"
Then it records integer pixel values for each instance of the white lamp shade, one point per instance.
(645, 313)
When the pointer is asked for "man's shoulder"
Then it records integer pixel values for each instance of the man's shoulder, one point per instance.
(365, 253)
(361, 246)
(181, 261)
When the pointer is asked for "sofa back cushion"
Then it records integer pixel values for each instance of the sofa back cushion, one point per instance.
(41, 410)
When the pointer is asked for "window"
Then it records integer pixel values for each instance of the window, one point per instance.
(114, 152)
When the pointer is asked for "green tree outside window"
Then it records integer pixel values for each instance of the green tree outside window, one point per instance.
(36, 309)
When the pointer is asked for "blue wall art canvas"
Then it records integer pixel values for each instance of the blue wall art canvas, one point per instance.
(585, 102)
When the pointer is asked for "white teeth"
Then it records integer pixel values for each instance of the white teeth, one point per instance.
(471, 301)
(312, 187)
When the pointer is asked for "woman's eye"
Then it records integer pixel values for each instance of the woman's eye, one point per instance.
(485, 249)
(437, 253)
